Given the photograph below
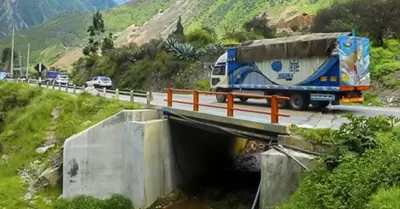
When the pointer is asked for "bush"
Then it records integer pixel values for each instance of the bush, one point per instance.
(386, 199)
(87, 202)
(367, 160)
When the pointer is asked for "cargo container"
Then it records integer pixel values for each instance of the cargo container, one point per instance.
(314, 69)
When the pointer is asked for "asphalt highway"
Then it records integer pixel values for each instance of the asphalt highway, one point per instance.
(308, 119)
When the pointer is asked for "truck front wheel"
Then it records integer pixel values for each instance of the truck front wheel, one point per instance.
(221, 98)
(299, 101)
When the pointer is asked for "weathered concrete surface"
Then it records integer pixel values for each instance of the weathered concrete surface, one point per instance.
(143, 157)
(262, 126)
(300, 142)
(280, 176)
(128, 154)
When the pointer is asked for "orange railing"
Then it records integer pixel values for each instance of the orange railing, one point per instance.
(230, 103)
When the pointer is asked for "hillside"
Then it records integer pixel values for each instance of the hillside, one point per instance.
(23, 14)
(61, 35)
(54, 39)
(31, 118)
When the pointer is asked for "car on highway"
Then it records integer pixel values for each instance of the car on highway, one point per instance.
(100, 82)
(61, 79)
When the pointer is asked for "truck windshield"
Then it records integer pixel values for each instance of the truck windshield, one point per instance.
(63, 76)
(219, 70)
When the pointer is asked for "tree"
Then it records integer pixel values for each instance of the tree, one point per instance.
(97, 39)
(260, 25)
(6, 57)
(377, 18)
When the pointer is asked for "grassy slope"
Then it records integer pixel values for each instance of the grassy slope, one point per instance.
(385, 72)
(26, 126)
(49, 40)
(228, 15)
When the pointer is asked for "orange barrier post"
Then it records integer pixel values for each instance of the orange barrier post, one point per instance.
(229, 108)
(169, 98)
(195, 101)
(274, 109)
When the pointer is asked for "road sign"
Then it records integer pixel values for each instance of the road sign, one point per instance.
(40, 67)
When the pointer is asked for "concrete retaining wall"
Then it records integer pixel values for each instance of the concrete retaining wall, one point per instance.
(129, 154)
(280, 176)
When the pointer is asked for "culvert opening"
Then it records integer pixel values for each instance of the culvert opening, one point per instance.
(210, 174)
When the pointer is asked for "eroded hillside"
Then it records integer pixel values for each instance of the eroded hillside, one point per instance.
(22, 14)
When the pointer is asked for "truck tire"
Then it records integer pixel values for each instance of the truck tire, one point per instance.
(299, 101)
(243, 99)
(220, 98)
(283, 104)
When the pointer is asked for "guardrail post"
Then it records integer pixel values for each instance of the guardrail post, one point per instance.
(117, 94)
(195, 101)
(151, 95)
(83, 88)
(66, 87)
(59, 86)
(104, 91)
(47, 85)
(274, 109)
(74, 89)
(169, 98)
(148, 98)
(131, 95)
(53, 85)
(229, 107)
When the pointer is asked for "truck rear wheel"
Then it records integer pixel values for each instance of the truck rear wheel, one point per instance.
(299, 101)
(283, 104)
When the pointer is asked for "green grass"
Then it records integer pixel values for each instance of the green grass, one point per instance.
(229, 15)
(50, 40)
(26, 112)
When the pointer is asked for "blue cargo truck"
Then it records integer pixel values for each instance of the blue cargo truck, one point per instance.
(314, 69)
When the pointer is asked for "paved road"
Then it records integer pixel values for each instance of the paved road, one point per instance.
(309, 119)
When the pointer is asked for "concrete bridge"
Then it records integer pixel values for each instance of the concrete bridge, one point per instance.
(145, 154)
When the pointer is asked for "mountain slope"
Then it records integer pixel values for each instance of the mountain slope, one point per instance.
(52, 40)
(65, 35)
(22, 14)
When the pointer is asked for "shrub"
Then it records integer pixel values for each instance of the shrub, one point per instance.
(386, 199)
(367, 159)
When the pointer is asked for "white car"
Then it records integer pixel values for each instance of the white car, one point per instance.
(62, 79)
(100, 82)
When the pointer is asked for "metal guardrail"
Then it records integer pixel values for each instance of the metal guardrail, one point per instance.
(230, 103)
(102, 91)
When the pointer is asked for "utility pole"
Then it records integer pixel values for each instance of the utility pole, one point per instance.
(27, 62)
(12, 55)
(20, 61)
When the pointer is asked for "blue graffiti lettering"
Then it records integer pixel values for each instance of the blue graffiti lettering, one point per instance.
(294, 66)
(287, 76)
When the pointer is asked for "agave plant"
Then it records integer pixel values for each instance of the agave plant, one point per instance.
(184, 51)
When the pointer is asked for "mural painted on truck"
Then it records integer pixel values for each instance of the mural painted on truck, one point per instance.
(354, 61)
(278, 72)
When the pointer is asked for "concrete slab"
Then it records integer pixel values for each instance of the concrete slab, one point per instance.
(128, 154)
(275, 128)
(280, 176)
